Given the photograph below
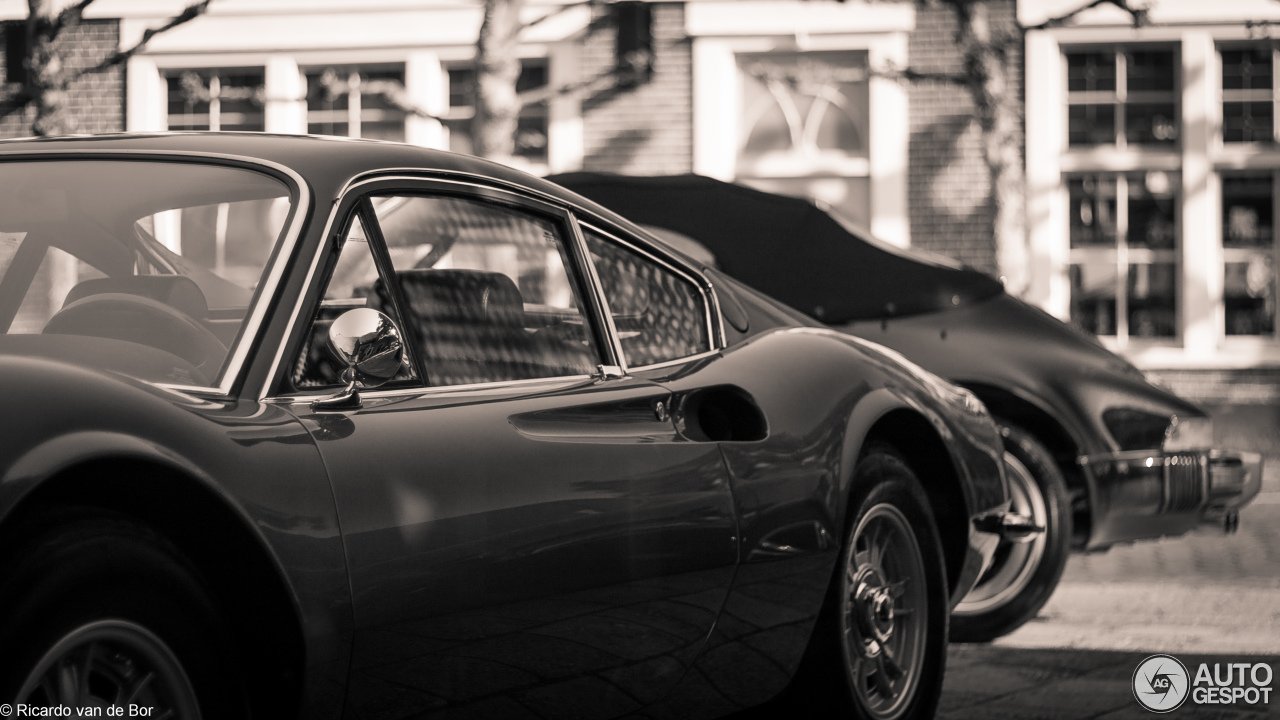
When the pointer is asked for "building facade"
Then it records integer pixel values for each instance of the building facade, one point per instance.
(1151, 169)
(1151, 152)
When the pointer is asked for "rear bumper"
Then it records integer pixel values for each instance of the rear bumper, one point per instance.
(1139, 495)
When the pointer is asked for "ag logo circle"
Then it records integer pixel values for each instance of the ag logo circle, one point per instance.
(1161, 683)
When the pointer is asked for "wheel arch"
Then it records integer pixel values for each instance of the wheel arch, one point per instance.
(246, 583)
(915, 437)
(1009, 406)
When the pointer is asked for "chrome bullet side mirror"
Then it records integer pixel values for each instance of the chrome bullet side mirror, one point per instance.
(368, 343)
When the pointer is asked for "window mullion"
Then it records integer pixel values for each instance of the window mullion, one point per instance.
(1122, 260)
(1122, 94)
(1275, 98)
(1275, 250)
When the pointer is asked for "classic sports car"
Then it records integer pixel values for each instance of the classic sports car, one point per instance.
(1096, 453)
(315, 428)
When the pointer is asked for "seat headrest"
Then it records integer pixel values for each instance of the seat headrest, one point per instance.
(462, 296)
(176, 291)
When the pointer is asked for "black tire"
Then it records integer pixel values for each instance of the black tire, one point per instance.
(101, 603)
(879, 648)
(1023, 575)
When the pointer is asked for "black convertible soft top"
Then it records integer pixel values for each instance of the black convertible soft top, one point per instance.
(788, 247)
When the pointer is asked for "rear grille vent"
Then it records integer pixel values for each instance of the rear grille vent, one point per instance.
(1183, 481)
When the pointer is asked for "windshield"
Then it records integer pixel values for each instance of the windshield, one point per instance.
(142, 267)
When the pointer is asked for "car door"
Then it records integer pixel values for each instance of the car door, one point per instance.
(754, 402)
(524, 529)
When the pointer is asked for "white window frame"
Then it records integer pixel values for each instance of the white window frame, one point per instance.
(279, 36)
(1200, 159)
(723, 30)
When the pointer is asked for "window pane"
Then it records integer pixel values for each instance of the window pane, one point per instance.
(1152, 294)
(58, 273)
(487, 289)
(1150, 71)
(1248, 235)
(1150, 123)
(659, 316)
(802, 111)
(1249, 295)
(1091, 72)
(1152, 210)
(144, 268)
(241, 101)
(226, 99)
(1093, 294)
(1091, 124)
(354, 277)
(1247, 122)
(1247, 211)
(1093, 211)
(462, 87)
(188, 102)
(332, 92)
(1248, 69)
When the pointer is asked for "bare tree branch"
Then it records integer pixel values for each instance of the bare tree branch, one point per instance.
(397, 96)
(554, 12)
(71, 15)
(958, 79)
(189, 13)
(1140, 16)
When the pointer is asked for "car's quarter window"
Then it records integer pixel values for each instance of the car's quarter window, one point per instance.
(659, 315)
(353, 283)
(486, 288)
(142, 267)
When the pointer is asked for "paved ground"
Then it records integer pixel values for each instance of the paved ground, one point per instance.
(1204, 598)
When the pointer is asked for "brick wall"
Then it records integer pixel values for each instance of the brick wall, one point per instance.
(948, 185)
(645, 130)
(97, 100)
(1243, 386)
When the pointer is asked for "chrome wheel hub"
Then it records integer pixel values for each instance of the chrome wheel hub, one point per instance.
(872, 609)
(884, 613)
(111, 663)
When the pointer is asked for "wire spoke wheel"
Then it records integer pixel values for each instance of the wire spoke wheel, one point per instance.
(883, 616)
(112, 662)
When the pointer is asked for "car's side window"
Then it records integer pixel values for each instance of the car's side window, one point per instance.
(487, 289)
(659, 315)
(350, 285)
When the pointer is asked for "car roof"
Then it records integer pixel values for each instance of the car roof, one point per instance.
(327, 163)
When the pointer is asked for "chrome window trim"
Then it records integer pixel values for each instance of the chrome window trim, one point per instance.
(456, 176)
(697, 280)
(602, 303)
(297, 304)
(420, 390)
(421, 179)
(678, 361)
(716, 314)
(251, 327)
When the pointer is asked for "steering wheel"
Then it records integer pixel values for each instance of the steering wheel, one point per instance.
(141, 320)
